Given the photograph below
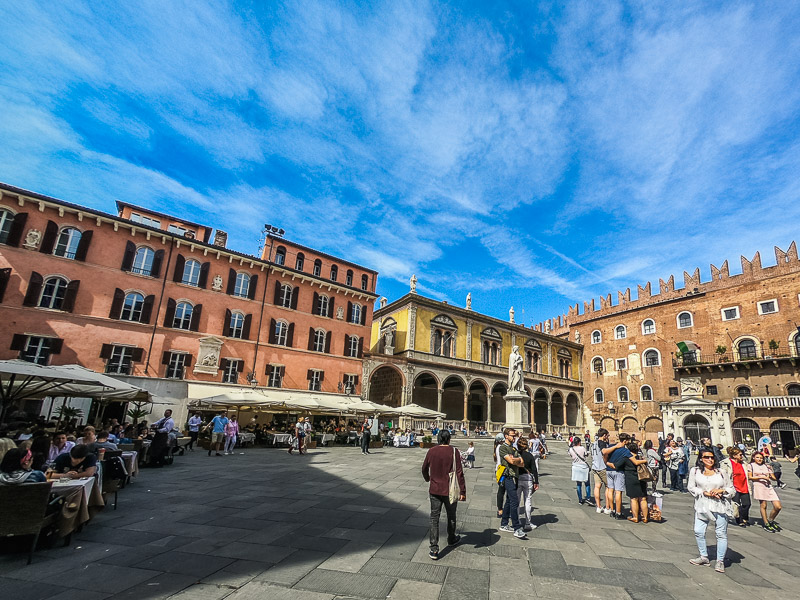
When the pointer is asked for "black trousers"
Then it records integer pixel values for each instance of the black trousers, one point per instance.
(365, 441)
(501, 497)
(436, 510)
(193, 435)
(744, 506)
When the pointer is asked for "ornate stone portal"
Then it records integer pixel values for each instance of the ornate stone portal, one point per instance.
(208, 355)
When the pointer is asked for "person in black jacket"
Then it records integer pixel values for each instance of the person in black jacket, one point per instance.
(528, 482)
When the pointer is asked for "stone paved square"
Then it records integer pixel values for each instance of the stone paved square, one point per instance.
(336, 524)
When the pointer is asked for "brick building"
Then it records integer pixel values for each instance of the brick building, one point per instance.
(455, 360)
(156, 299)
(737, 375)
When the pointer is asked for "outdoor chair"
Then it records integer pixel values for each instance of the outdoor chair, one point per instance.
(25, 511)
(114, 474)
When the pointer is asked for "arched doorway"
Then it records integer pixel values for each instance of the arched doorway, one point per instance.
(609, 424)
(557, 409)
(745, 431)
(386, 386)
(498, 408)
(453, 398)
(786, 432)
(630, 426)
(695, 428)
(653, 427)
(540, 409)
(573, 410)
(477, 408)
(425, 391)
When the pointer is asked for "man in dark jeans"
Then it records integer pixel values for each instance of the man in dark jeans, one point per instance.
(511, 460)
(366, 428)
(436, 468)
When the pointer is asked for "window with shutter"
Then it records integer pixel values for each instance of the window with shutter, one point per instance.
(34, 290)
(49, 239)
(67, 243)
(132, 307)
(5, 275)
(37, 350)
(128, 257)
(143, 261)
(53, 293)
(120, 361)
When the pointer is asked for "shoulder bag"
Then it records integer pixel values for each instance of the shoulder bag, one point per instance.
(644, 473)
(454, 490)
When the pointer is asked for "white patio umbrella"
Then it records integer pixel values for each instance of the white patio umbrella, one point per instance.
(112, 388)
(236, 399)
(20, 379)
(316, 404)
(415, 410)
(367, 406)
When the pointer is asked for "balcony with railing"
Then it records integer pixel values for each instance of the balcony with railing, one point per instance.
(735, 360)
(767, 402)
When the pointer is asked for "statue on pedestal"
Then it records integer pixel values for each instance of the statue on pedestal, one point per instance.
(515, 367)
(511, 315)
(469, 301)
(413, 282)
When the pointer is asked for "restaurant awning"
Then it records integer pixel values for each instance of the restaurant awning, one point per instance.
(113, 389)
(236, 399)
(368, 407)
(21, 380)
(415, 410)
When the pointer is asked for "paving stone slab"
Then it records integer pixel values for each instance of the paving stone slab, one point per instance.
(259, 552)
(432, 573)
(259, 590)
(340, 583)
(627, 539)
(292, 569)
(465, 583)
(236, 574)
(186, 563)
(642, 566)
(418, 590)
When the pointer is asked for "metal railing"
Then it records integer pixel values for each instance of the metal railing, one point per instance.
(693, 359)
(767, 402)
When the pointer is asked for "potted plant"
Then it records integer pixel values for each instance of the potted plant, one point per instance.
(773, 347)
(721, 350)
(427, 442)
(376, 442)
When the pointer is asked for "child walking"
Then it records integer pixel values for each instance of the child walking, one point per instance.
(471, 455)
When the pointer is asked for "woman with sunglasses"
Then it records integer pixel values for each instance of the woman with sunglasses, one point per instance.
(761, 476)
(712, 490)
(734, 467)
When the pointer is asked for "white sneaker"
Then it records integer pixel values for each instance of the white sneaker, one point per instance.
(701, 560)
(657, 495)
(520, 534)
(606, 511)
(506, 528)
(599, 510)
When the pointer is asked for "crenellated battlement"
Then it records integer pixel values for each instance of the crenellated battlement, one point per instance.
(752, 270)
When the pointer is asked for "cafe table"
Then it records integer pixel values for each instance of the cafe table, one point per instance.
(82, 498)
(281, 438)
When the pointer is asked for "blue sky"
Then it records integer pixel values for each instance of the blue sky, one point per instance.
(534, 154)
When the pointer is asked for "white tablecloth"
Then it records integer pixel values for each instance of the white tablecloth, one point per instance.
(246, 438)
(281, 438)
(131, 458)
(85, 482)
(327, 437)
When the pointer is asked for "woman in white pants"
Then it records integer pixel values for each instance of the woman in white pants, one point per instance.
(528, 483)
(231, 432)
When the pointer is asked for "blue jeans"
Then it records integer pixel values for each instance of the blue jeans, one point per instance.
(721, 528)
(586, 485)
(511, 506)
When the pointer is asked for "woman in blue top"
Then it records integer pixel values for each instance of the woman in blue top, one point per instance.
(16, 468)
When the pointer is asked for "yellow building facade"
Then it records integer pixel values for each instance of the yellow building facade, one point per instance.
(455, 360)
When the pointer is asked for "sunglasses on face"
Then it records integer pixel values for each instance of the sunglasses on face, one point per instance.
(708, 457)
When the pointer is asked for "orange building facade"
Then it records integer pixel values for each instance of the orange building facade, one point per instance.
(155, 299)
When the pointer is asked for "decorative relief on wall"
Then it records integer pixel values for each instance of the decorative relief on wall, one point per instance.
(33, 239)
(208, 355)
(216, 283)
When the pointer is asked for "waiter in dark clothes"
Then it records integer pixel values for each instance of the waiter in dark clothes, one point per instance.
(437, 466)
(160, 444)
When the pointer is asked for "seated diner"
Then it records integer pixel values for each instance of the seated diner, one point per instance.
(15, 468)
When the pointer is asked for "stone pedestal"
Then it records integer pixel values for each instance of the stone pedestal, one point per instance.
(516, 411)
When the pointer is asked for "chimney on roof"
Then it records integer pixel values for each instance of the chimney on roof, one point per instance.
(220, 238)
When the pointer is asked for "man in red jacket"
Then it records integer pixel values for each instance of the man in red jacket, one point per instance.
(438, 464)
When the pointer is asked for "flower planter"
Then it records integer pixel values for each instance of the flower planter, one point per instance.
(427, 445)
(376, 444)
(311, 445)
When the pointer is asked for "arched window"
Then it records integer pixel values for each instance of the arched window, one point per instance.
(319, 340)
(352, 347)
(132, 307)
(236, 326)
(6, 221)
(348, 280)
(597, 365)
(301, 258)
(67, 243)
(743, 392)
(747, 349)
(652, 358)
(356, 316)
(318, 268)
(334, 272)
(620, 333)
(191, 272)
(685, 320)
(280, 256)
(324, 304)
(285, 296)
(364, 282)
(535, 360)
(53, 292)
(647, 393)
(793, 389)
(183, 316)
(242, 286)
(622, 394)
(648, 326)
(598, 396)
(143, 261)
(597, 337)
(281, 333)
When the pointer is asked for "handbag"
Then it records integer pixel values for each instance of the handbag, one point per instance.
(454, 490)
(644, 473)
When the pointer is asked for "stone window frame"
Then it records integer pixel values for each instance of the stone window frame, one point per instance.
(173, 366)
(140, 270)
(533, 355)
(627, 394)
(658, 356)
(299, 261)
(443, 324)
(760, 304)
(238, 331)
(655, 329)
(50, 277)
(602, 396)
(641, 393)
(678, 319)
(740, 388)
(121, 360)
(193, 278)
(70, 255)
(494, 340)
(617, 366)
(285, 296)
(794, 343)
(230, 374)
(624, 334)
(564, 357)
(280, 256)
(736, 308)
(175, 316)
(241, 290)
(602, 364)
(599, 337)
(124, 302)
(320, 336)
(712, 390)
(747, 337)
(789, 385)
